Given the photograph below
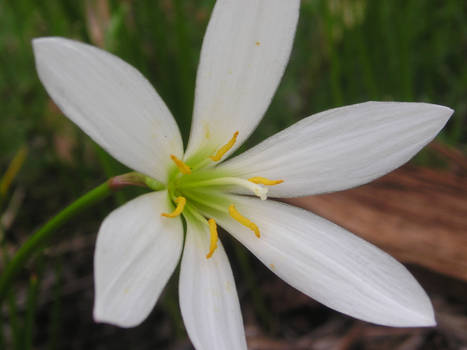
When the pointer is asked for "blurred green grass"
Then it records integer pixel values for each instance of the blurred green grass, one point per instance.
(345, 52)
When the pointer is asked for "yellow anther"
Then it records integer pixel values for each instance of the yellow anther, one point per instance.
(214, 237)
(243, 220)
(184, 169)
(264, 181)
(223, 150)
(181, 201)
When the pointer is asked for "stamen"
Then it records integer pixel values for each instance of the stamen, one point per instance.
(184, 169)
(214, 237)
(243, 220)
(264, 181)
(223, 150)
(181, 201)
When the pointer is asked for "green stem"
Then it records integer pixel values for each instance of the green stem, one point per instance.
(37, 241)
(55, 311)
(31, 307)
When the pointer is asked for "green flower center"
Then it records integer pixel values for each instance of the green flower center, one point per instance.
(200, 190)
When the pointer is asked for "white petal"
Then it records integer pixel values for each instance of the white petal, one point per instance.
(136, 252)
(342, 148)
(332, 265)
(208, 297)
(244, 54)
(111, 102)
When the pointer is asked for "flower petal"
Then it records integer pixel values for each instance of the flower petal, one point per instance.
(208, 297)
(332, 265)
(111, 102)
(244, 54)
(341, 148)
(136, 252)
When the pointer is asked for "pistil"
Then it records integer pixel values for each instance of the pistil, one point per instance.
(258, 190)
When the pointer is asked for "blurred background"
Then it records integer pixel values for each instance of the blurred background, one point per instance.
(345, 52)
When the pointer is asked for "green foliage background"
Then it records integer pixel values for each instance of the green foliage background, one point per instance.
(345, 52)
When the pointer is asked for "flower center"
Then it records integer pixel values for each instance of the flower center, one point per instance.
(199, 190)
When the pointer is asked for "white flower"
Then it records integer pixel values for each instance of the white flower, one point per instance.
(245, 50)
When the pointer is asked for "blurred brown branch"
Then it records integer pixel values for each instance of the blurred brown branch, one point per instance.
(418, 215)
